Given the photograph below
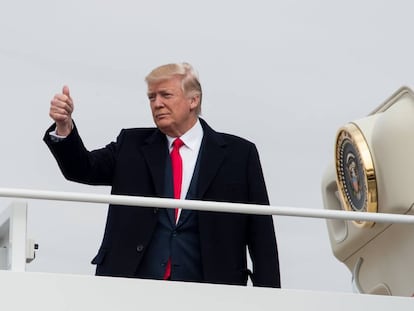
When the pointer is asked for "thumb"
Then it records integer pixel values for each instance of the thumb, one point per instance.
(65, 91)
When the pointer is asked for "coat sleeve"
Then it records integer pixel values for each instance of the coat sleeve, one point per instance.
(261, 233)
(80, 165)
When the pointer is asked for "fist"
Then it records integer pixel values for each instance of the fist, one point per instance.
(61, 108)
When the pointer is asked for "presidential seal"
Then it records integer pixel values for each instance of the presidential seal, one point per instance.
(355, 172)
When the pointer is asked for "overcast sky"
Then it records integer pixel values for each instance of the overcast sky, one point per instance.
(283, 74)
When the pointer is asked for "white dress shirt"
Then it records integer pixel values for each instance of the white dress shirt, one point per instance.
(189, 153)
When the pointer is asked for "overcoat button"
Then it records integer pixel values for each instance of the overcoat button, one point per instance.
(140, 248)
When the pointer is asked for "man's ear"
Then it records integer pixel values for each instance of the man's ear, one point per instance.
(195, 102)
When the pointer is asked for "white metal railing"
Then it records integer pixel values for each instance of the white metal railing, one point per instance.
(205, 205)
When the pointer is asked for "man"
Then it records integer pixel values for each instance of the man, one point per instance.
(185, 245)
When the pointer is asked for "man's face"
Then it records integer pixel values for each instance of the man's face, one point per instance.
(172, 111)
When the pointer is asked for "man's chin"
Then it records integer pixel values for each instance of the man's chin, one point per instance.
(164, 126)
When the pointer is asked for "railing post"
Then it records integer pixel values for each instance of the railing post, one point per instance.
(13, 237)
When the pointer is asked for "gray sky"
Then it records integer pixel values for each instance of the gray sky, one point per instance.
(284, 74)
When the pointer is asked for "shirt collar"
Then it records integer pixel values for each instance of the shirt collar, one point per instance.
(191, 138)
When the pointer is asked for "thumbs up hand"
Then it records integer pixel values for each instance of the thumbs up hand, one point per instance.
(61, 108)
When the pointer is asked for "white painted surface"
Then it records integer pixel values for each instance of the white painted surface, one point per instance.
(42, 291)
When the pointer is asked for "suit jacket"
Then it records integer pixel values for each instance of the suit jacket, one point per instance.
(229, 171)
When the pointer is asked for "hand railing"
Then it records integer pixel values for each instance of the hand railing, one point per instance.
(205, 205)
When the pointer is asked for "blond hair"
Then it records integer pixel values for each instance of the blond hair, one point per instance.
(190, 83)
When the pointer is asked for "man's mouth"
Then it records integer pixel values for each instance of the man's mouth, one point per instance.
(160, 115)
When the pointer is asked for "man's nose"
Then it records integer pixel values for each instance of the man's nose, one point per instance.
(158, 101)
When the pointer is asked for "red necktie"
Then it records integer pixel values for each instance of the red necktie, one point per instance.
(177, 172)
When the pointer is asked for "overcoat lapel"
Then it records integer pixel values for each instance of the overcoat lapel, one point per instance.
(155, 153)
(212, 154)
(213, 151)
